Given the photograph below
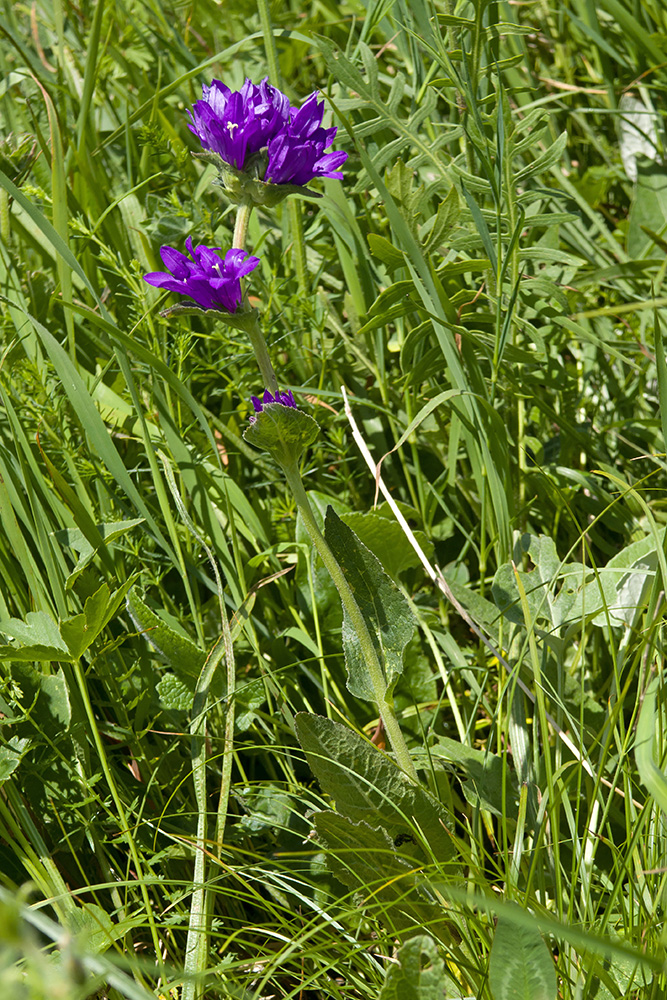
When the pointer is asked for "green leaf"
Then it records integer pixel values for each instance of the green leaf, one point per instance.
(38, 638)
(618, 594)
(445, 219)
(98, 931)
(646, 743)
(11, 754)
(483, 783)
(649, 206)
(521, 966)
(385, 251)
(387, 613)
(387, 540)
(369, 861)
(367, 785)
(174, 694)
(184, 656)
(54, 701)
(538, 582)
(419, 975)
(400, 180)
(76, 539)
(81, 631)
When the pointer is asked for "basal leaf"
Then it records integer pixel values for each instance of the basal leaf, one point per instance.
(369, 861)
(367, 785)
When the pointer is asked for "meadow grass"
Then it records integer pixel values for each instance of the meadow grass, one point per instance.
(486, 287)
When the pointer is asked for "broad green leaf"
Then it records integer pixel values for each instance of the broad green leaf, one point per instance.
(388, 616)
(538, 582)
(249, 699)
(182, 654)
(445, 219)
(419, 975)
(619, 592)
(649, 206)
(174, 694)
(385, 251)
(638, 133)
(400, 180)
(81, 631)
(98, 931)
(369, 861)
(387, 540)
(521, 966)
(11, 753)
(54, 701)
(37, 638)
(480, 610)
(76, 539)
(483, 783)
(367, 785)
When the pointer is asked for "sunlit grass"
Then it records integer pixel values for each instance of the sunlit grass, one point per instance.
(488, 285)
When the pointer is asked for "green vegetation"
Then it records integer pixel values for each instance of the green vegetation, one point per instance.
(197, 795)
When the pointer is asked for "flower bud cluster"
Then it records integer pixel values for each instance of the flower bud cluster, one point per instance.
(264, 149)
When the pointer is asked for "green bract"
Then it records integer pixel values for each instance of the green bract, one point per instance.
(284, 431)
(243, 186)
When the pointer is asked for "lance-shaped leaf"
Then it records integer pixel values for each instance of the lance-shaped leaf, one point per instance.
(388, 615)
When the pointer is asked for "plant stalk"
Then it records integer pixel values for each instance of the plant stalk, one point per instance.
(262, 355)
(375, 674)
(241, 225)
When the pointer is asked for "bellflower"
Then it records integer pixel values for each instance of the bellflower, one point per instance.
(255, 130)
(237, 124)
(296, 154)
(213, 282)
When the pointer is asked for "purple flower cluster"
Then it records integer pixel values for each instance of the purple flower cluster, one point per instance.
(239, 124)
(213, 282)
(284, 398)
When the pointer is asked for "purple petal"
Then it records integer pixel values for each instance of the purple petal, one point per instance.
(211, 280)
(176, 262)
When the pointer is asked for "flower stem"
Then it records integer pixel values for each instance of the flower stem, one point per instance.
(375, 675)
(253, 328)
(241, 225)
(262, 355)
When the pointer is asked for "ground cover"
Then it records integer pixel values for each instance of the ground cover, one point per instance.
(215, 778)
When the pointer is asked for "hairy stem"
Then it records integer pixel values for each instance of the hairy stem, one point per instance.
(262, 355)
(241, 225)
